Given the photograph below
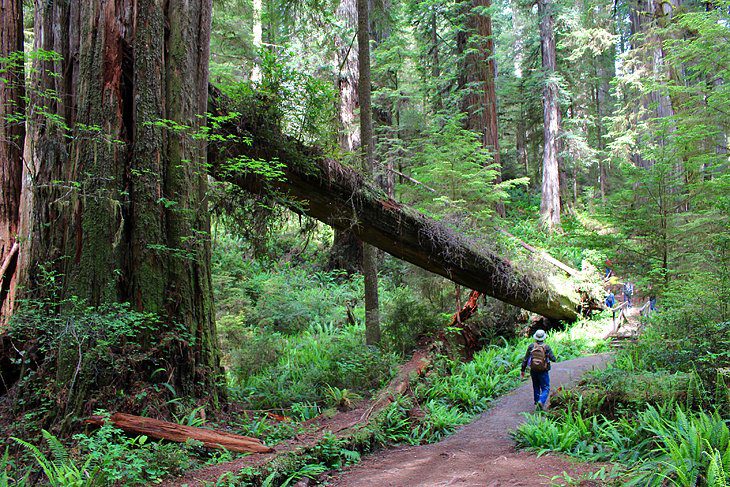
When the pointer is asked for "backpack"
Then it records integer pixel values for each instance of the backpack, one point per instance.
(538, 358)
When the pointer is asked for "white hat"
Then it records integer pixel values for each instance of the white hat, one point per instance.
(539, 335)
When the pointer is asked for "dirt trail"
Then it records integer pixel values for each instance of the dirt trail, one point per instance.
(479, 454)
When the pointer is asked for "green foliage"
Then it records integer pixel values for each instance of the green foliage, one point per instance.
(407, 317)
(657, 445)
(80, 345)
(314, 364)
(60, 470)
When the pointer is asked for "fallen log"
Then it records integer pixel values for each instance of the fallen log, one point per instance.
(340, 197)
(420, 361)
(165, 430)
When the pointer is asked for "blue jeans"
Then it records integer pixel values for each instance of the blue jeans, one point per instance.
(540, 385)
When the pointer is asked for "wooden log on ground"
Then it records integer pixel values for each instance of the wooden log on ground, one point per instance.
(420, 361)
(340, 197)
(165, 430)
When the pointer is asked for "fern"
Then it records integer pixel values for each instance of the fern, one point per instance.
(58, 451)
(62, 472)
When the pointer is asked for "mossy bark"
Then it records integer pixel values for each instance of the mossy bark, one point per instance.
(115, 200)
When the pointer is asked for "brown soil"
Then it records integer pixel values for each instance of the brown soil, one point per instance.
(479, 454)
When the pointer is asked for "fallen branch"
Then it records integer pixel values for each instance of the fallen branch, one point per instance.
(165, 430)
(415, 366)
(549, 258)
(8, 260)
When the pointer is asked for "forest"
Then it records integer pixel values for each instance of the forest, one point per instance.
(308, 242)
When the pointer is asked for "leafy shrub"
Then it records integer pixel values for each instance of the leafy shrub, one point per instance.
(613, 391)
(406, 318)
(312, 363)
(108, 457)
(70, 345)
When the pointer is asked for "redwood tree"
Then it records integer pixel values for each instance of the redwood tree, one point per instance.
(550, 203)
(480, 101)
(347, 249)
(12, 136)
(370, 256)
(114, 199)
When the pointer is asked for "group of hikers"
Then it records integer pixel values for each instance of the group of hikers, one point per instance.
(628, 291)
(539, 355)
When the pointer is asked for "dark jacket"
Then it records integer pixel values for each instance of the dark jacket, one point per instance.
(548, 354)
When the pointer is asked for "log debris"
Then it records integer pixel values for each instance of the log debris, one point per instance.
(165, 430)
(339, 196)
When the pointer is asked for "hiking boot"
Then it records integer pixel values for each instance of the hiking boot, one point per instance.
(541, 406)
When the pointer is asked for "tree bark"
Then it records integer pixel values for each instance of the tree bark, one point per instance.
(114, 203)
(340, 197)
(369, 253)
(346, 252)
(550, 202)
(257, 31)
(480, 101)
(164, 430)
(12, 139)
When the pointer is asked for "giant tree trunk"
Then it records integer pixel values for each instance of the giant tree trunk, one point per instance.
(114, 203)
(12, 137)
(550, 203)
(480, 101)
(369, 253)
(340, 197)
(346, 252)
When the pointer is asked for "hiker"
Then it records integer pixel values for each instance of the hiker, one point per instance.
(609, 270)
(610, 299)
(611, 302)
(538, 357)
(652, 299)
(628, 292)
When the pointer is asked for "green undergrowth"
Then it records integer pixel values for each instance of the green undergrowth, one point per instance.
(587, 234)
(453, 393)
(660, 412)
(316, 369)
(101, 458)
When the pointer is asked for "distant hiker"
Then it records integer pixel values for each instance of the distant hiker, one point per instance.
(538, 357)
(628, 292)
(610, 299)
(652, 299)
(609, 269)
(610, 303)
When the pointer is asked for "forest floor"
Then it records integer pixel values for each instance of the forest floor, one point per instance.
(481, 453)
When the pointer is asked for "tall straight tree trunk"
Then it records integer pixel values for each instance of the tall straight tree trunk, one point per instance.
(370, 256)
(346, 252)
(550, 202)
(12, 139)
(114, 203)
(480, 101)
(257, 40)
(438, 103)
